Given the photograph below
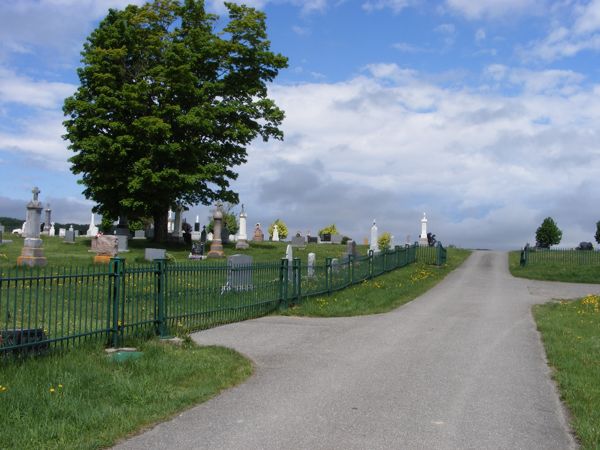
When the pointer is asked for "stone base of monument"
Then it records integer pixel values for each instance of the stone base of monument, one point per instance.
(102, 259)
(216, 250)
(32, 254)
(423, 242)
(243, 245)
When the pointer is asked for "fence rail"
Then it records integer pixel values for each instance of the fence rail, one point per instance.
(60, 307)
(558, 256)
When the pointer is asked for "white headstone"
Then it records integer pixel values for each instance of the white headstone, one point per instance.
(61, 232)
(311, 264)
(289, 254)
(275, 237)
(52, 231)
(373, 243)
(210, 236)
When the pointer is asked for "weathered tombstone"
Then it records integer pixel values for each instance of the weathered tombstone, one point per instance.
(197, 251)
(335, 265)
(122, 243)
(48, 221)
(32, 253)
(313, 239)
(216, 247)
(224, 233)
(70, 236)
(150, 254)
(298, 241)
(196, 236)
(203, 234)
(52, 231)
(311, 265)
(351, 249)
(210, 236)
(336, 238)
(239, 273)
(92, 229)
(374, 245)
(106, 247)
(139, 234)
(62, 232)
(259, 236)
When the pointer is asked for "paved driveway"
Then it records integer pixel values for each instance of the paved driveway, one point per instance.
(461, 367)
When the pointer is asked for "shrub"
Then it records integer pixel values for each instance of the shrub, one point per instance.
(384, 241)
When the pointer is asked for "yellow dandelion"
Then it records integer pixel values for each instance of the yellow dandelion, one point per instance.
(52, 390)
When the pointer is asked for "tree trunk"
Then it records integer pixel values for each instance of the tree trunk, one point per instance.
(160, 225)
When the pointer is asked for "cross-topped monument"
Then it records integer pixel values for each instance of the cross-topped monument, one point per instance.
(32, 253)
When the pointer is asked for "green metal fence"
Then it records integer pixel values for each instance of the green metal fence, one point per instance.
(558, 256)
(61, 307)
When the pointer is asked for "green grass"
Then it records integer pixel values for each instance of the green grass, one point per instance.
(554, 270)
(96, 402)
(571, 335)
(380, 294)
(60, 254)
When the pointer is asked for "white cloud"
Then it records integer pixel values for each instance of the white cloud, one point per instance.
(306, 6)
(480, 35)
(23, 90)
(388, 145)
(408, 48)
(493, 9)
(395, 5)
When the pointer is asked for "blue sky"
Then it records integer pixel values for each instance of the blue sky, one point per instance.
(483, 114)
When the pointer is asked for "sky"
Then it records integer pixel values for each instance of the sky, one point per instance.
(483, 114)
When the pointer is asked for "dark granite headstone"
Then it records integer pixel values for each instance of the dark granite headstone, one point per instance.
(203, 234)
(224, 234)
(298, 241)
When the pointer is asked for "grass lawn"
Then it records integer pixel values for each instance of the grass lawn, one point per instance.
(82, 400)
(550, 270)
(380, 294)
(571, 335)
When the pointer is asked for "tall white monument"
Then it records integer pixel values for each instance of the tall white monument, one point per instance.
(242, 238)
(423, 236)
(275, 237)
(373, 244)
(92, 230)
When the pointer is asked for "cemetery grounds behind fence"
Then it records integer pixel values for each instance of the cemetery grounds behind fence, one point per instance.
(47, 307)
(558, 256)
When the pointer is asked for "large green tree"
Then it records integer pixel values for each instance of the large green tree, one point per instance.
(167, 105)
(548, 234)
(597, 235)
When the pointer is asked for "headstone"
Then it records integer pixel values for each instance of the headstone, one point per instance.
(139, 234)
(289, 255)
(122, 243)
(197, 251)
(311, 265)
(275, 237)
(70, 236)
(92, 229)
(32, 253)
(210, 236)
(232, 238)
(52, 231)
(196, 235)
(242, 238)
(150, 254)
(351, 249)
(122, 228)
(239, 273)
(326, 237)
(298, 241)
(197, 224)
(224, 233)
(313, 239)
(336, 238)
(423, 236)
(335, 265)
(150, 233)
(170, 222)
(62, 232)
(105, 245)
(203, 234)
(374, 246)
(76, 233)
(216, 246)
(259, 236)
(392, 243)
(48, 221)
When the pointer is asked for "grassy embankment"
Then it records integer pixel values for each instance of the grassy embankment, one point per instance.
(570, 331)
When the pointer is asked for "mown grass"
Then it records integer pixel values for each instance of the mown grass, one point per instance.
(83, 400)
(381, 294)
(554, 270)
(571, 335)
(60, 254)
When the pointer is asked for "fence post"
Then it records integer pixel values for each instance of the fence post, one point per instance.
(116, 273)
(351, 269)
(283, 283)
(297, 277)
(524, 256)
(328, 275)
(161, 287)
(371, 264)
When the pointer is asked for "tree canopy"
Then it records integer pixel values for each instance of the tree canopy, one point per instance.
(597, 234)
(548, 234)
(167, 105)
